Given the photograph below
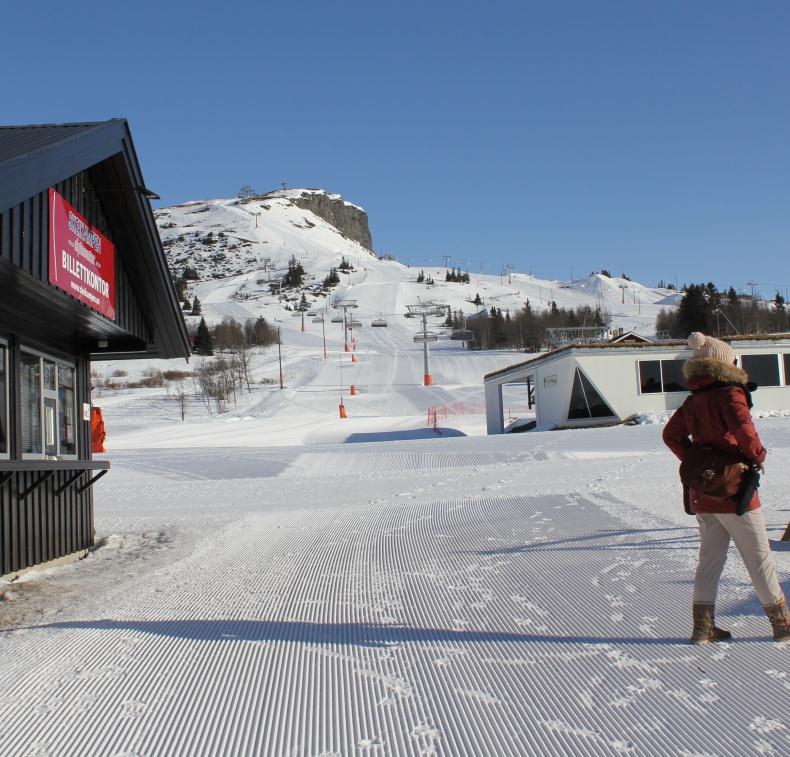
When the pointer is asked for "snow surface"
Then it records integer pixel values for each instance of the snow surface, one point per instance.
(523, 594)
(274, 580)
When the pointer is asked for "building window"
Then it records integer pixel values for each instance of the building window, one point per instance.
(30, 400)
(48, 407)
(3, 400)
(672, 376)
(787, 369)
(657, 376)
(67, 411)
(650, 376)
(585, 400)
(764, 369)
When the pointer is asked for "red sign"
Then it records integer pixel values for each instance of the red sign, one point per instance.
(81, 258)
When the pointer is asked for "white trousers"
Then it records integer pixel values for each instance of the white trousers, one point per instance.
(751, 539)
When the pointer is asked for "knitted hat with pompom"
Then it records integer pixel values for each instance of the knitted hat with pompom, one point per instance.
(707, 346)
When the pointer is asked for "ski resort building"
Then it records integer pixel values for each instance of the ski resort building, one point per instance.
(601, 384)
(82, 276)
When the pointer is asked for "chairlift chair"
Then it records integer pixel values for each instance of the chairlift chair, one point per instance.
(379, 322)
(337, 319)
(318, 319)
(354, 324)
(428, 336)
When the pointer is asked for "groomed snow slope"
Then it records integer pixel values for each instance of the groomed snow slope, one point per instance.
(496, 596)
(387, 376)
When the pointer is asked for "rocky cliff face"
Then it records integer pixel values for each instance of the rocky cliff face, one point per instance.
(347, 218)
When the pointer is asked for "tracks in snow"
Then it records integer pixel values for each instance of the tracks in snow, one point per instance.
(494, 626)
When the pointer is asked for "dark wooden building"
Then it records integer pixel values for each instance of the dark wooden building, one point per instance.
(82, 276)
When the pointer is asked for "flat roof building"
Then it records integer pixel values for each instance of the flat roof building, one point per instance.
(597, 384)
(82, 276)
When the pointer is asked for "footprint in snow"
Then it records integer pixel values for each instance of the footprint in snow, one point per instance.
(370, 744)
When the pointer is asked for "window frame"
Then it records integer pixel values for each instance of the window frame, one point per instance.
(589, 417)
(42, 356)
(777, 362)
(5, 399)
(786, 366)
(671, 360)
(660, 361)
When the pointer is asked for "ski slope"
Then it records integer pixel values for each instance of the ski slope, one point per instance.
(522, 595)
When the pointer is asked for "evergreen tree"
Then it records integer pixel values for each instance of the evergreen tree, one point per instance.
(204, 343)
(693, 311)
(181, 290)
(332, 279)
(477, 301)
(421, 277)
(197, 307)
(295, 274)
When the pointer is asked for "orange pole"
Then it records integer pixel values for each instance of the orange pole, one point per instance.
(353, 389)
(428, 379)
(343, 411)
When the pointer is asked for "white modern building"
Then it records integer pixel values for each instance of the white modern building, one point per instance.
(599, 384)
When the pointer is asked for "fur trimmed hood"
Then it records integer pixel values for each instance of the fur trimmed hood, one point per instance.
(705, 367)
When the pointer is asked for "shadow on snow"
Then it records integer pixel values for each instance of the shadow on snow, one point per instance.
(404, 434)
(352, 634)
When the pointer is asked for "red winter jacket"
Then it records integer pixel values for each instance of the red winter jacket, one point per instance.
(721, 419)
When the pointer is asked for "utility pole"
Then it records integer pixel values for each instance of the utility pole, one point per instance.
(446, 259)
(623, 287)
(509, 268)
(753, 284)
(280, 358)
(267, 267)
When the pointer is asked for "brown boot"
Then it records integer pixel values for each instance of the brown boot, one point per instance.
(779, 616)
(705, 629)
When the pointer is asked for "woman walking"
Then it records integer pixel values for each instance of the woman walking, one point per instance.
(717, 415)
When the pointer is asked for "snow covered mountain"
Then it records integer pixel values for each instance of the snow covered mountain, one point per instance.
(237, 247)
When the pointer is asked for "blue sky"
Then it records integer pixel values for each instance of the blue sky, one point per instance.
(562, 136)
